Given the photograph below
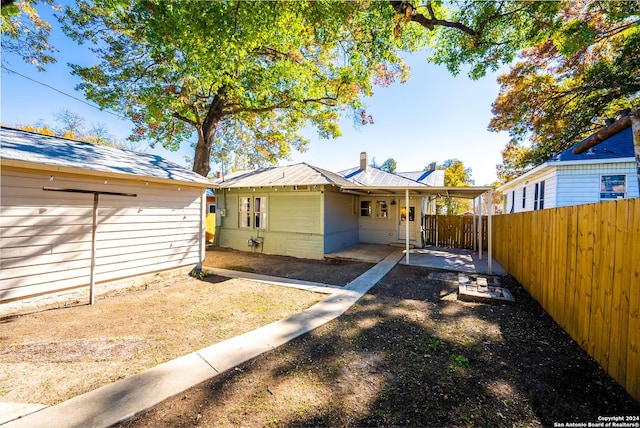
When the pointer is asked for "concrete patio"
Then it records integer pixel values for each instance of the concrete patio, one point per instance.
(453, 259)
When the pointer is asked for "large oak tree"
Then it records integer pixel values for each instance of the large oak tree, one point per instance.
(247, 76)
(564, 88)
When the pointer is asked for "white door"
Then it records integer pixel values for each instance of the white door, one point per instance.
(402, 229)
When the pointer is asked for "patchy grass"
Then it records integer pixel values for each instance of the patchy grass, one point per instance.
(55, 354)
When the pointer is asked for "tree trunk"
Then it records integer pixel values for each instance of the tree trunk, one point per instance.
(202, 156)
(206, 132)
(604, 133)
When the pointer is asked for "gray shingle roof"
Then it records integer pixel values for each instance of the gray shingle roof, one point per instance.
(29, 147)
(289, 175)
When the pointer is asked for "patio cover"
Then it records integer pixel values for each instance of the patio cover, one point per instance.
(467, 192)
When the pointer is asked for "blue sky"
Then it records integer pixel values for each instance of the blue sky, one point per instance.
(433, 117)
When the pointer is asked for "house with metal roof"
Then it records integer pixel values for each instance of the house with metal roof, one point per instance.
(603, 172)
(388, 220)
(305, 211)
(295, 210)
(78, 216)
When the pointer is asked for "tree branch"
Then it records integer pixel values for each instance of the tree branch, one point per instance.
(184, 119)
(327, 101)
(406, 9)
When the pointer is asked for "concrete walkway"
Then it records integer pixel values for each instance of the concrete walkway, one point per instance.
(123, 399)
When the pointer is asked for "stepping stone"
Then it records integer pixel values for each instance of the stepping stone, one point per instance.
(480, 291)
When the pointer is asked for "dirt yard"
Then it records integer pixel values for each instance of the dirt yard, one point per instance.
(56, 353)
(408, 354)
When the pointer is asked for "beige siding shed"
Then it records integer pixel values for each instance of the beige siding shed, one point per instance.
(46, 244)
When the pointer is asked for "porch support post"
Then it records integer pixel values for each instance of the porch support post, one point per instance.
(406, 225)
(480, 229)
(489, 249)
(474, 225)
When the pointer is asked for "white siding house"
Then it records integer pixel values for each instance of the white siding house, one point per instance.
(604, 172)
(149, 215)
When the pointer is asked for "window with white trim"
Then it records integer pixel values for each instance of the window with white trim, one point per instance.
(513, 201)
(245, 212)
(255, 218)
(613, 186)
(538, 197)
(382, 209)
(365, 208)
(260, 212)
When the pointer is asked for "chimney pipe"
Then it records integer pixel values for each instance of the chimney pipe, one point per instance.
(432, 166)
(363, 161)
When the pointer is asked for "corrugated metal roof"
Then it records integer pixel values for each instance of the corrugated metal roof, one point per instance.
(289, 175)
(372, 181)
(430, 177)
(376, 177)
(29, 147)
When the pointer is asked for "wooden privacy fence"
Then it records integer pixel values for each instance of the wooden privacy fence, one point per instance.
(453, 231)
(582, 264)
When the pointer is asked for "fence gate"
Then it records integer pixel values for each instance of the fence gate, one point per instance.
(453, 231)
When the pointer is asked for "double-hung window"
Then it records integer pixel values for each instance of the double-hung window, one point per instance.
(260, 212)
(253, 212)
(538, 197)
(245, 212)
(365, 208)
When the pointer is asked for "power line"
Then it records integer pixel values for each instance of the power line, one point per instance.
(64, 93)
